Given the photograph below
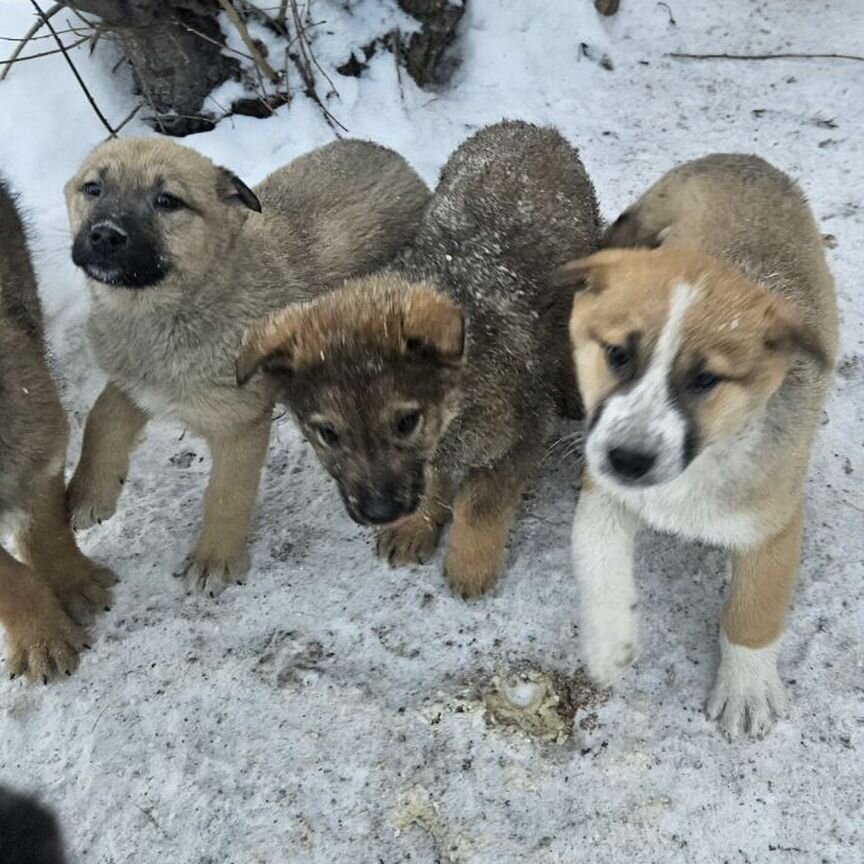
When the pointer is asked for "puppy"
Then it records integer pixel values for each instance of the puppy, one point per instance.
(181, 257)
(45, 601)
(426, 389)
(29, 833)
(703, 361)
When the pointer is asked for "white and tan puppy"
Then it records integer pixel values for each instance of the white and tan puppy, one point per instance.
(703, 360)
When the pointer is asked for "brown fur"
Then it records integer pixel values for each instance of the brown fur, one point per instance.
(628, 291)
(761, 323)
(45, 602)
(463, 335)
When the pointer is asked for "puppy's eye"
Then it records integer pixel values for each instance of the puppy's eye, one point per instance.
(703, 382)
(617, 358)
(407, 423)
(92, 189)
(327, 435)
(168, 202)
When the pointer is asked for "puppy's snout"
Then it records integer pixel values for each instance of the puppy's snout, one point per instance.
(631, 464)
(379, 509)
(107, 238)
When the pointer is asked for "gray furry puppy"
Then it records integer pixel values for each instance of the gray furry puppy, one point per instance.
(45, 601)
(181, 258)
(459, 349)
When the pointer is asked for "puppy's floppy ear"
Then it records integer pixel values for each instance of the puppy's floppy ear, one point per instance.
(268, 345)
(586, 273)
(233, 191)
(788, 333)
(432, 325)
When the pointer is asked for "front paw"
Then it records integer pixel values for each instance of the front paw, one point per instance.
(92, 501)
(412, 540)
(211, 572)
(747, 692)
(610, 647)
(83, 588)
(42, 642)
(472, 569)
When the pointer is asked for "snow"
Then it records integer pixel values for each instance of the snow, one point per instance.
(335, 710)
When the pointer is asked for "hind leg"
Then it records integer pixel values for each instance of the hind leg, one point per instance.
(48, 546)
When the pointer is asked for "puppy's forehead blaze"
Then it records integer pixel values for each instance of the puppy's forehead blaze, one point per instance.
(724, 321)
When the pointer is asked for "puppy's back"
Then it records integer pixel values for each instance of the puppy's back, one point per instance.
(350, 200)
(515, 192)
(743, 210)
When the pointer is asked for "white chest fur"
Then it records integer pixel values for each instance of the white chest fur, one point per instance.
(708, 501)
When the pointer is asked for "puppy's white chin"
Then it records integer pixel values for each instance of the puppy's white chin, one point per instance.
(107, 277)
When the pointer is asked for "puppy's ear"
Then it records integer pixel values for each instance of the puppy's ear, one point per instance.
(233, 191)
(586, 274)
(627, 232)
(268, 345)
(433, 326)
(788, 333)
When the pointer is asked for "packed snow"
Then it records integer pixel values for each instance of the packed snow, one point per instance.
(335, 710)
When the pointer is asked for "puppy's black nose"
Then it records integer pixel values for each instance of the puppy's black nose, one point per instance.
(380, 509)
(631, 464)
(106, 237)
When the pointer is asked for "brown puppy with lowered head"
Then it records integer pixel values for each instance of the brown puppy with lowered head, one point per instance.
(46, 601)
(181, 257)
(703, 361)
(427, 388)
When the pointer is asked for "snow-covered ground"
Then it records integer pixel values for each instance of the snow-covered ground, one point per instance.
(333, 710)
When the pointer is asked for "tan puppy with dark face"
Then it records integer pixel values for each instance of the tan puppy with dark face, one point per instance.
(703, 363)
(181, 258)
(45, 601)
(427, 389)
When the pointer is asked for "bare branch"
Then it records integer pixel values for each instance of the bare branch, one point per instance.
(681, 56)
(68, 59)
(249, 42)
(40, 22)
(50, 53)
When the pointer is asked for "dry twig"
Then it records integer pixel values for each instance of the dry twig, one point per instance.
(65, 52)
(304, 61)
(40, 22)
(668, 8)
(791, 56)
(50, 53)
(260, 61)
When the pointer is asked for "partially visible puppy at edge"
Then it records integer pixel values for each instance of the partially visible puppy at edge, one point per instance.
(181, 257)
(704, 358)
(46, 601)
(29, 833)
(427, 389)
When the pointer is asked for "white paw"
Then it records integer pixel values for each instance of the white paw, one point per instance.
(212, 574)
(610, 646)
(748, 693)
